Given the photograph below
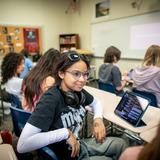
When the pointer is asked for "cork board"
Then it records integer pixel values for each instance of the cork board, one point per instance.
(12, 39)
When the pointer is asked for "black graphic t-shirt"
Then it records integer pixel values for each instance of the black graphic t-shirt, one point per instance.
(52, 113)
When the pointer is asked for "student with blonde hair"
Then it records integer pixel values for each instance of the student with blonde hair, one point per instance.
(147, 76)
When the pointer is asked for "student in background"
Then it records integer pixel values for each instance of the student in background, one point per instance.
(58, 117)
(39, 79)
(148, 152)
(109, 71)
(12, 66)
(27, 63)
(36, 57)
(147, 76)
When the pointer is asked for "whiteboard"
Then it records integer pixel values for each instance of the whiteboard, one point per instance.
(132, 35)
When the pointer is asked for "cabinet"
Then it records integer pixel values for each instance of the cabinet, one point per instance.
(68, 41)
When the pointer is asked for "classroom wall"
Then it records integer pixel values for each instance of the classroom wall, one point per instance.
(48, 14)
(81, 23)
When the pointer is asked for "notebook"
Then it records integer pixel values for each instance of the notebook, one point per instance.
(131, 108)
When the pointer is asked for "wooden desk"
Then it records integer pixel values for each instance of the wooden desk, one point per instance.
(109, 102)
(149, 134)
(7, 152)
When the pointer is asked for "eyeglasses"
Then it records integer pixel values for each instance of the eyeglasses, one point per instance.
(77, 74)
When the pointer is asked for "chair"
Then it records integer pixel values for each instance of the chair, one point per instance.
(15, 101)
(9, 98)
(4, 97)
(19, 119)
(107, 87)
(147, 94)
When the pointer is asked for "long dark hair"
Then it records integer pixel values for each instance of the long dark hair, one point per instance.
(25, 53)
(151, 150)
(64, 63)
(31, 86)
(10, 65)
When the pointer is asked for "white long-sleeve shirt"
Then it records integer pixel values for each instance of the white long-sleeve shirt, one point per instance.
(32, 138)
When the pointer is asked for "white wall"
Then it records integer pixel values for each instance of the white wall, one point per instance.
(51, 16)
(81, 23)
(48, 14)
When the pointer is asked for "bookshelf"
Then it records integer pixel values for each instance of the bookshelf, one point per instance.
(68, 41)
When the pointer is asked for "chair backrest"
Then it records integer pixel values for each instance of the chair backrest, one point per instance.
(10, 98)
(146, 94)
(15, 101)
(5, 96)
(107, 87)
(19, 119)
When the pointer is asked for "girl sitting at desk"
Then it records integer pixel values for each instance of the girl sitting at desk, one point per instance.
(147, 76)
(58, 117)
(109, 71)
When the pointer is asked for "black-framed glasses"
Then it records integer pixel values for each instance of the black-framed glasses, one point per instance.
(77, 74)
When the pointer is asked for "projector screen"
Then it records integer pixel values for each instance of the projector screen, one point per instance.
(132, 35)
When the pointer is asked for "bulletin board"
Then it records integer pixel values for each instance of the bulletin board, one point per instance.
(16, 38)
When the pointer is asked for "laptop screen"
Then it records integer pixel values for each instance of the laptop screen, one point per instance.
(132, 107)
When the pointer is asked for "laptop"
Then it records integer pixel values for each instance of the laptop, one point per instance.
(132, 108)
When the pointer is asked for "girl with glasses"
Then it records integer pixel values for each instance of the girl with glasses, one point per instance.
(58, 117)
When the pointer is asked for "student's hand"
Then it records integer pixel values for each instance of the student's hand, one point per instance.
(74, 144)
(99, 131)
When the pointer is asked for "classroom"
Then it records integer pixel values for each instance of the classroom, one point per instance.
(88, 27)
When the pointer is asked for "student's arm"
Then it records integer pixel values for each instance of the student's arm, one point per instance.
(97, 108)
(32, 138)
(41, 119)
(123, 84)
(117, 79)
(98, 126)
(29, 63)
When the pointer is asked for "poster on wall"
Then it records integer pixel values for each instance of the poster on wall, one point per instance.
(31, 40)
(102, 8)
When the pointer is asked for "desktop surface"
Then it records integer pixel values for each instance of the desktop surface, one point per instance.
(110, 101)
